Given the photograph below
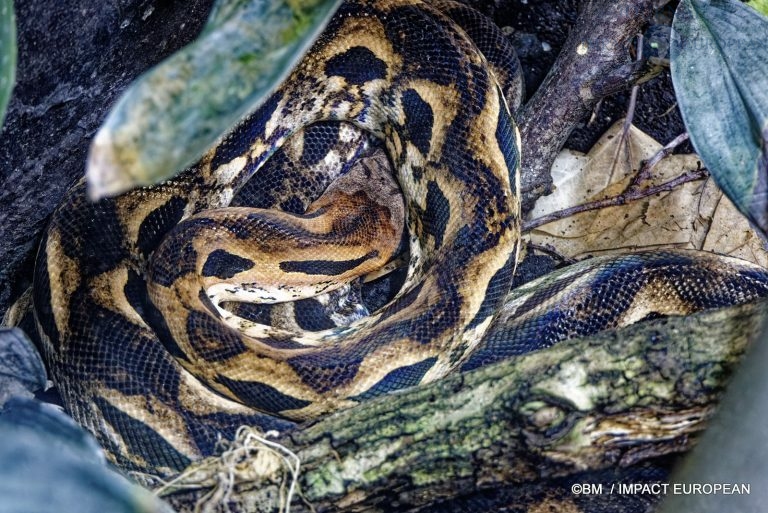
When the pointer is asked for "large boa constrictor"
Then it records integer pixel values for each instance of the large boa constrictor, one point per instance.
(128, 291)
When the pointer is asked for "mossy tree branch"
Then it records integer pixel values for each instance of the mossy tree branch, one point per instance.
(614, 399)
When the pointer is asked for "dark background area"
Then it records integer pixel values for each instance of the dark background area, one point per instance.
(75, 58)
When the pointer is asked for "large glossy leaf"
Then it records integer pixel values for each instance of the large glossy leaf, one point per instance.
(7, 54)
(719, 59)
(21, 370)
(48, 463)
(733, 449)
(174, 112)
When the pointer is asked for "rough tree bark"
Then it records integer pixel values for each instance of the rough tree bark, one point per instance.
(593, 63)
(614, 399)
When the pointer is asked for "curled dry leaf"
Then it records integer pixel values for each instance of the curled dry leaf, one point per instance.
(695, 215)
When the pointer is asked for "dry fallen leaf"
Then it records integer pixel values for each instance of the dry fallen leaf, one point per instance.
(695, 215)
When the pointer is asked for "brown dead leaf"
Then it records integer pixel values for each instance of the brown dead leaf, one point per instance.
(695, 215)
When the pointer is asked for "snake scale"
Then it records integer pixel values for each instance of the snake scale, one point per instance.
(130, 292)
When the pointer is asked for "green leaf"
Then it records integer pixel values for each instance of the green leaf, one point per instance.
(7, 54)
(168, 118)
(49, 463)
(719, 62)
(759, 5)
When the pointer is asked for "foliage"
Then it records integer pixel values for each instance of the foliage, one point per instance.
(177, 110)
(720, 71)
(760, 5)
(7, 54)
(50, 464)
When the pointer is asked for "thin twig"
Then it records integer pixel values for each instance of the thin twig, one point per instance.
(594, 114)
(633, 95)
(550, 251)
(645, 171)
(624, 141)
(615, 201)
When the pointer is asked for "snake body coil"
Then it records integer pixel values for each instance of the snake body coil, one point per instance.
(128, 291)
(400, 70)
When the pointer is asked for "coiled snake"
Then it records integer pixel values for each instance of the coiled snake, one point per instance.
(128, 291)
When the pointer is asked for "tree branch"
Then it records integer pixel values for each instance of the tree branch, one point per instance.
(613, 399)
(633, 193)
(593, 63)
